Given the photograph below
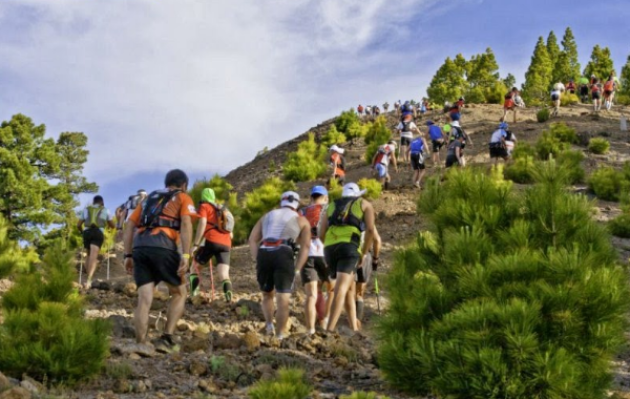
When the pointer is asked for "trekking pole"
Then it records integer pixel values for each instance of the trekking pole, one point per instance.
(211, 281)
(378, 294)
(81, 267)
(107, 264)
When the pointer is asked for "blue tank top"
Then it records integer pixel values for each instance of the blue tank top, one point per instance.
(435, 132)
(416, 146)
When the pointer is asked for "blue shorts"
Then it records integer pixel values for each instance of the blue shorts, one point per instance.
(382, 170)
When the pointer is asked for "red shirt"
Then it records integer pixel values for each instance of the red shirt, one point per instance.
(211, 234)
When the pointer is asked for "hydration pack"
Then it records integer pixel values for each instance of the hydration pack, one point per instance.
(313, 213)
(94, 214)
(224, 220)
(343, 216)
(153, 211)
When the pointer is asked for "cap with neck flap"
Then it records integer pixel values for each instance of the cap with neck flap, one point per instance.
(207, 195)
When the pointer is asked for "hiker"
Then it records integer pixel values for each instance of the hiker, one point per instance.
(510, 142)
(455, 110)
(360, 110)
(555, 99)
(456, 133)
(376, 110)
(386, 106)
(596, 90)
(385, 154)
(406, 111)
(92, 223)
(415, 153)
(518, 101)
(397, 107)
(120, 217)
(406, 129)
(497, 146)
(164, 222)
(368, 110)
(570, 86)
(215, 226)
(609, 90)
(314, 275)
(338, 164)
(584, 90)
(365, 272)
(454, 152)
(272, 243)
(509, 104)
(437, 140)
(341, 230)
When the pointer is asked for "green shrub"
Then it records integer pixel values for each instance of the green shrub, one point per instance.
(598, 145)
(496, 93)
(289, 384)
(11, 257)
(606, 183)
(620, 226)
(511, 294)
(622, 99)
(564, 133)
(356, 130)
(373, 187)
(571, 162)
(334, 190)
(569, 99)
(377, 132)
(543, 115)
(520, 171)
(224, 368)
(363, 395)
(333, 136)
(475, 96)
(44, 333)
(345, 120)
(258, 202)
(118, 370)
(523, 150)
(549, 145)
(307, 163)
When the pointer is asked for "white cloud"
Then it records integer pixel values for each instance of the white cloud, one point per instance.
(201, 85)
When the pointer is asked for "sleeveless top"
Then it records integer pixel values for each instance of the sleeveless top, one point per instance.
(280, 225)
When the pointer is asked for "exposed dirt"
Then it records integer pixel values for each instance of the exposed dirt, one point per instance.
(222, 349)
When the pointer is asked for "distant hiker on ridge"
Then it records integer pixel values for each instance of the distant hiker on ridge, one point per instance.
(92, 223)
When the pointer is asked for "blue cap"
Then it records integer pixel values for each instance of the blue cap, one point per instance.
(503, 125)
(319, 190)
(429, 123)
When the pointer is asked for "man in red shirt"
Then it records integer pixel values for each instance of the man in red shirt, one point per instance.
(218, 243)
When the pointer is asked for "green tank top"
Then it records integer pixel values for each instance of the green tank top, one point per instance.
(345, 233)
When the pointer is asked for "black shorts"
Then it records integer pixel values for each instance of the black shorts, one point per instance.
(364, 272)
(93, 236)
(451, 160)
(275, 269)
(584, 91)
(415, 162)
(314, 270)
(405, 141)
(342, 258)
(555, 98)
(211, 250)
(498, 152)
(596, 95)
(437, 145)
(607, 93)
(153, 264)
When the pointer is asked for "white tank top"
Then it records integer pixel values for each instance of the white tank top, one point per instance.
(281, 224)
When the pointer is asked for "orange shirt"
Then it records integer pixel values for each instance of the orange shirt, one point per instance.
(336, 161)
(180, 205)
(211, 234)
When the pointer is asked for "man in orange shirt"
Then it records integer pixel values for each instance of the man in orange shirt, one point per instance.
(218, 243)
(338, 164)
(164, 220)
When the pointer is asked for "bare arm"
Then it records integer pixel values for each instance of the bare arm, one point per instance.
(393, 158)
(128, 236)
(458, 151)
(254, 239)
(304, 241)
(323, 227)
(111, 224)
(201, 229)
(370, 227)
(376, 246)
(186, 233)
(425, 145)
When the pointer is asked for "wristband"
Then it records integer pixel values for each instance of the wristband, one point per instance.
(128, 256)
(186, 256)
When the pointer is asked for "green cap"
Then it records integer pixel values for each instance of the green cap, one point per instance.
(207, 195)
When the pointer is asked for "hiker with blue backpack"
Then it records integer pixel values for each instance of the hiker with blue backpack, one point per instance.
(416, 151)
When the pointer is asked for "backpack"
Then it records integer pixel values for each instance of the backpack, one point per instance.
(609, 85)
(343, 216)
(341, 165)
(153, 210)
(94, 214)
(224, 219)
(595, 88)
(416, 146)
(313, 213)
(380, 154)
(406, 127)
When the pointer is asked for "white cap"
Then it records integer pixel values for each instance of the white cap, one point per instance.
(455, 123)
(290, 199)
(352, 190)
(337, 149)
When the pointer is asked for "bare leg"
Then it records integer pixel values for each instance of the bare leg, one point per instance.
(342, 286)
(421, 176)
(267, 306)
(223, 274)
(282, 315)
(310, 289)
(91, 263)
(360, 290)
(351, 309)
(329, 300)
(141, 317)
(175, 307)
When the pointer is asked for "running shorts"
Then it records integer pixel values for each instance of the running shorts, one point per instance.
(405, 141)
(381, 170)
(417, 161)
(342, 258)
(275, 269)
(93, 236)
(153, 264)
(315, 270)
(211, 250)
(437, 145)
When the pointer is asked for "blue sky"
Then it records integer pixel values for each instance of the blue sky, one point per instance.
(203, 85)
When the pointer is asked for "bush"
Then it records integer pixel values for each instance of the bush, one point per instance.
(11, 257)
(377, 131)
(258, 202)
(569, 99)
(520, 171)
(606, 183)
(523, 150)
(543, 115)
(598, 145)
(333, 136)
(622, 99)
(549, 145)
(221, 187)
(334, 190)
(307, 163)
(345, 120)
(564, 133)
(620, 226)
(511, 294)
(475, 96)
(44, 333)
(289, 384)
(496, 93)
(363, 395)
(373, 187)
(356, 130)
(571, 163)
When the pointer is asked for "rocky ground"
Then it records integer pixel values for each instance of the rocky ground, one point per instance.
(222, 350)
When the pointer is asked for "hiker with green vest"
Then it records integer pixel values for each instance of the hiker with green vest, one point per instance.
(218, 240)
(92, 223)
(347, 218)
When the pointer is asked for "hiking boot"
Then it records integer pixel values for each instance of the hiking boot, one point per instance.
(270, 330)
(228, 296)
(165, 344)
(193, 279)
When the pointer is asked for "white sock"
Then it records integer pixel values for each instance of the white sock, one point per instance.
(311, 331)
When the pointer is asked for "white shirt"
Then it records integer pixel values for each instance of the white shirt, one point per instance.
(496, 136)
(559, 86)
(408, 134)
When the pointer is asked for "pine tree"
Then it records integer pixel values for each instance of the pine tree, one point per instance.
(569, 47)
(538, 75)
(624, 78)
(449, 82)
(601, 64)
(553, 50)
(562, 71)
(509, 81)
(483, 70)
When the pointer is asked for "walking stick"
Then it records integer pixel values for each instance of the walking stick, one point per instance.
(211, 280)
(81, 268)
(107, 264)
(378, 294)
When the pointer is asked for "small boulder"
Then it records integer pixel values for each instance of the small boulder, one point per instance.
(121, 327)
(16, 393)
(251, 341)
(228, 341)
(4, 383)
(198, 368)
(130, 289)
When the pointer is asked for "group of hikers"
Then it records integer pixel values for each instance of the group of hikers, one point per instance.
(333, 246)
(415, 107)
(595, 88)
